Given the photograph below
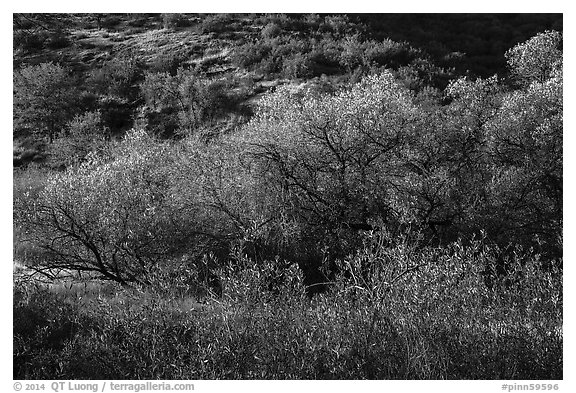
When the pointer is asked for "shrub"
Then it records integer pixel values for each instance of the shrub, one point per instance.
(26, 41)
(58, 39)
(27, 150)
(168, 62)
(537, 58)
(114, 216)
(116, 112)
(250, 54)
(118, 76)
(326, 56)
(298, 66)
(44, 97)
(171, 21)
(269, 66)
(352, 55)
(208, 62)
(400, 310)
(84, 134)
(192, 100)
(387, 52)
(288, 133)
(138, 20)
(108, 21)
(526, 186)
(271, 30)
(216, 23)
(337, 25)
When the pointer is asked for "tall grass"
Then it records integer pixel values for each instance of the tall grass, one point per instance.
(397, 311)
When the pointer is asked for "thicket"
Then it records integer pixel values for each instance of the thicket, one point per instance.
(372, 192)
(44, 98)
(312, 170)
(34, 32)
(414, 313)
(293, 57)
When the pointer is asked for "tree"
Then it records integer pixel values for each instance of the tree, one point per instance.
(335, 161)
(185, 98)
(118, 77)
(459, 136)
(82, 135)
(536, 59)
(116, 216)
(44, 97)
(526, 136)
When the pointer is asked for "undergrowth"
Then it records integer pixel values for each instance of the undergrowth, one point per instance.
(396, 311)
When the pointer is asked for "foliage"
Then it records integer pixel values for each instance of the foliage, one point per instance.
(216, 23)
(536, 59)
(169, 61)
(44, 98)
(117, 77)
(327, 55)
(271, 30)
(334, 159)
(526, 143)
(365, 189)
(438, 321)
(174, 20)
(115, 216)
(84, 134)
(298, 66)
(33, 32)
(192, 100)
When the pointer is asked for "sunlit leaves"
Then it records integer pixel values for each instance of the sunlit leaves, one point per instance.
(538, 58)
(43, 98)
(334, 154)
(113, 214)
(526, 145)
(181, 93)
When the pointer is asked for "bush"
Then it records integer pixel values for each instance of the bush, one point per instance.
(294, 135)
(116, 113)
(113, 216)
(26, 41)
(399, 310)
(44, 98)
(171, 21)
(117, 77)
(191, 100)
(84, 134)
(109, 21)
(298, 66)
(353, 52)
(138, 20)
(271, 30)
(337, 25)
(250, 54)
(216, 23)
(387, 53)
(537, 58)
(58, 39)
(168, 62)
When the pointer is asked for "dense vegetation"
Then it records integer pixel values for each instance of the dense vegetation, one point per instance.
(273, 196)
